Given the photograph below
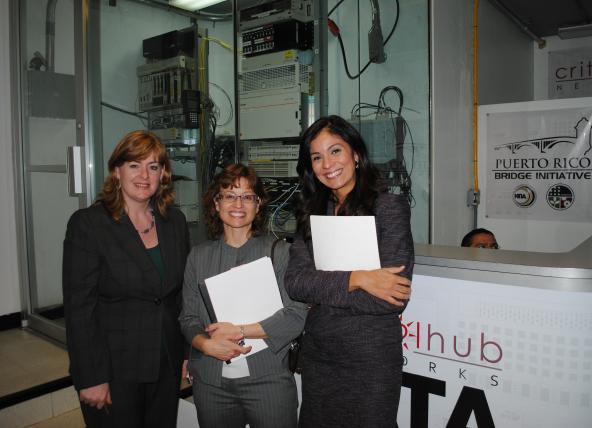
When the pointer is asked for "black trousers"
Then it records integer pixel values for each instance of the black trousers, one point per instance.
(139, 405)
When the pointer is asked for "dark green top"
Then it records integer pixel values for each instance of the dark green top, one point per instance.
(156, 257)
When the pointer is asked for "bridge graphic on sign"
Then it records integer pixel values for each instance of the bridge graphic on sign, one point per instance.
(543, 144)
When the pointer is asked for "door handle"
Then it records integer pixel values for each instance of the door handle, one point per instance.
(74, 162)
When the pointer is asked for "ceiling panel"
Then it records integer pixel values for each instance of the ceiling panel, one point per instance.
(543, 17)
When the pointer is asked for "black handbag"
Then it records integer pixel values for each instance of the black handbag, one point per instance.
(294, 355)
(295, 351)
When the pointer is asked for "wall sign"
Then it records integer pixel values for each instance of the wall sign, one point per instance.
(539, 165)
(487, 355)
(570, 73)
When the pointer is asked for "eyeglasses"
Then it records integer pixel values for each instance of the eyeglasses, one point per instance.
(230, 198)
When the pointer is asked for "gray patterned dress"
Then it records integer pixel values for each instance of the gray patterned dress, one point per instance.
(352, 351)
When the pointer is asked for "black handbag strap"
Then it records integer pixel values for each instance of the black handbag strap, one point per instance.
(273, 245)
(271, 255)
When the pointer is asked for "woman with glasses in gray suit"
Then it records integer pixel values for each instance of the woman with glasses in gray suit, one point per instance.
(258, 390)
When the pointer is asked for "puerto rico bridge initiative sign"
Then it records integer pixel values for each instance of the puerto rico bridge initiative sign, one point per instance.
(539, 165)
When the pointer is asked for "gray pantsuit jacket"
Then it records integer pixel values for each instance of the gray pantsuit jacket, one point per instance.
(213, 257)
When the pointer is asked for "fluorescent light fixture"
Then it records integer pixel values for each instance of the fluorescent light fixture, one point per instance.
(193, 4)
(573, 31)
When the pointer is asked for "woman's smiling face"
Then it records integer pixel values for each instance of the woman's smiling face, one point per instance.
(240, 213)
(139, 179)
(333, 163)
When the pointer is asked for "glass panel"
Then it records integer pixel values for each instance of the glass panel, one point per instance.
(51, 205)
(49, 128)
(143, 86)
(389, 100)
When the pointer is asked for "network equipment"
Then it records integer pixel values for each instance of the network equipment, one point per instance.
(280, 70)
(385, 142)
(277, 95)
(166, 87)
(167, 91)
(282, 193)
(161, 84)
(270, 150)
(168, 45)
(274, 91)
(272, 114)
(276, 11)
(277, 37)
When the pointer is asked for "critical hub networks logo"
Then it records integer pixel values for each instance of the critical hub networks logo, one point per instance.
(423, 339)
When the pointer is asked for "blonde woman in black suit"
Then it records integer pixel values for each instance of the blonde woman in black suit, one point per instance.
(123, 266)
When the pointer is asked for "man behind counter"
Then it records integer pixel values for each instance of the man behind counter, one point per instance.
(480, 238)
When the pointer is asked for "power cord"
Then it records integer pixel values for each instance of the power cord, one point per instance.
(334, 28)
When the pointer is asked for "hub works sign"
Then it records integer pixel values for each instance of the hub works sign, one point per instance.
(487, 355)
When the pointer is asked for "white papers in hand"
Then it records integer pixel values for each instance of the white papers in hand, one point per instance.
(246, 294)
(344, 243)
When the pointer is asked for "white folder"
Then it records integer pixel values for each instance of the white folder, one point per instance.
(345, 243)
(246, 294)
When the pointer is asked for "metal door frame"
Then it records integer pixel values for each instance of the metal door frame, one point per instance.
(87, 116)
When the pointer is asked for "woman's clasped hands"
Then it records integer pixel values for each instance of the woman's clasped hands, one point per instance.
(225, 341)
(384, 283)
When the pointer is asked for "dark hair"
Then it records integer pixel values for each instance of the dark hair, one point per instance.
(468, 238)
(315, 195)
(227, 179)
(136, 146)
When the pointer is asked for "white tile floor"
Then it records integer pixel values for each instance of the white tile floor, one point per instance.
(27, 360)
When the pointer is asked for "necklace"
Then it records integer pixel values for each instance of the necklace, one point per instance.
(149, 228)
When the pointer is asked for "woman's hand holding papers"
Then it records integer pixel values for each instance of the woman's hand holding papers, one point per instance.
(226, 331)
(229, 331)
(383, 283)
(218, 347)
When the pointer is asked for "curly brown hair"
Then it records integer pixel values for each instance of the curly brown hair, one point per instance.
(136, 146)
(227, 179)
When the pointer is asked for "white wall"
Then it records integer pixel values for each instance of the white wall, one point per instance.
(10, 301)
(451, 120)
(541, 61)
(501, 44)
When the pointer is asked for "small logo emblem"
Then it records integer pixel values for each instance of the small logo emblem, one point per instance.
(524, 196)
(560, 197)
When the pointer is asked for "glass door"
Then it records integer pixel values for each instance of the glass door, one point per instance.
(58, 160)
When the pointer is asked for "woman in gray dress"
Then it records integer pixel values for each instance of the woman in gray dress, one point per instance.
(259, 390)
(352, 353)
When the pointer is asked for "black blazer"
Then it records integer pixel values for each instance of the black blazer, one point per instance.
(120, 315)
